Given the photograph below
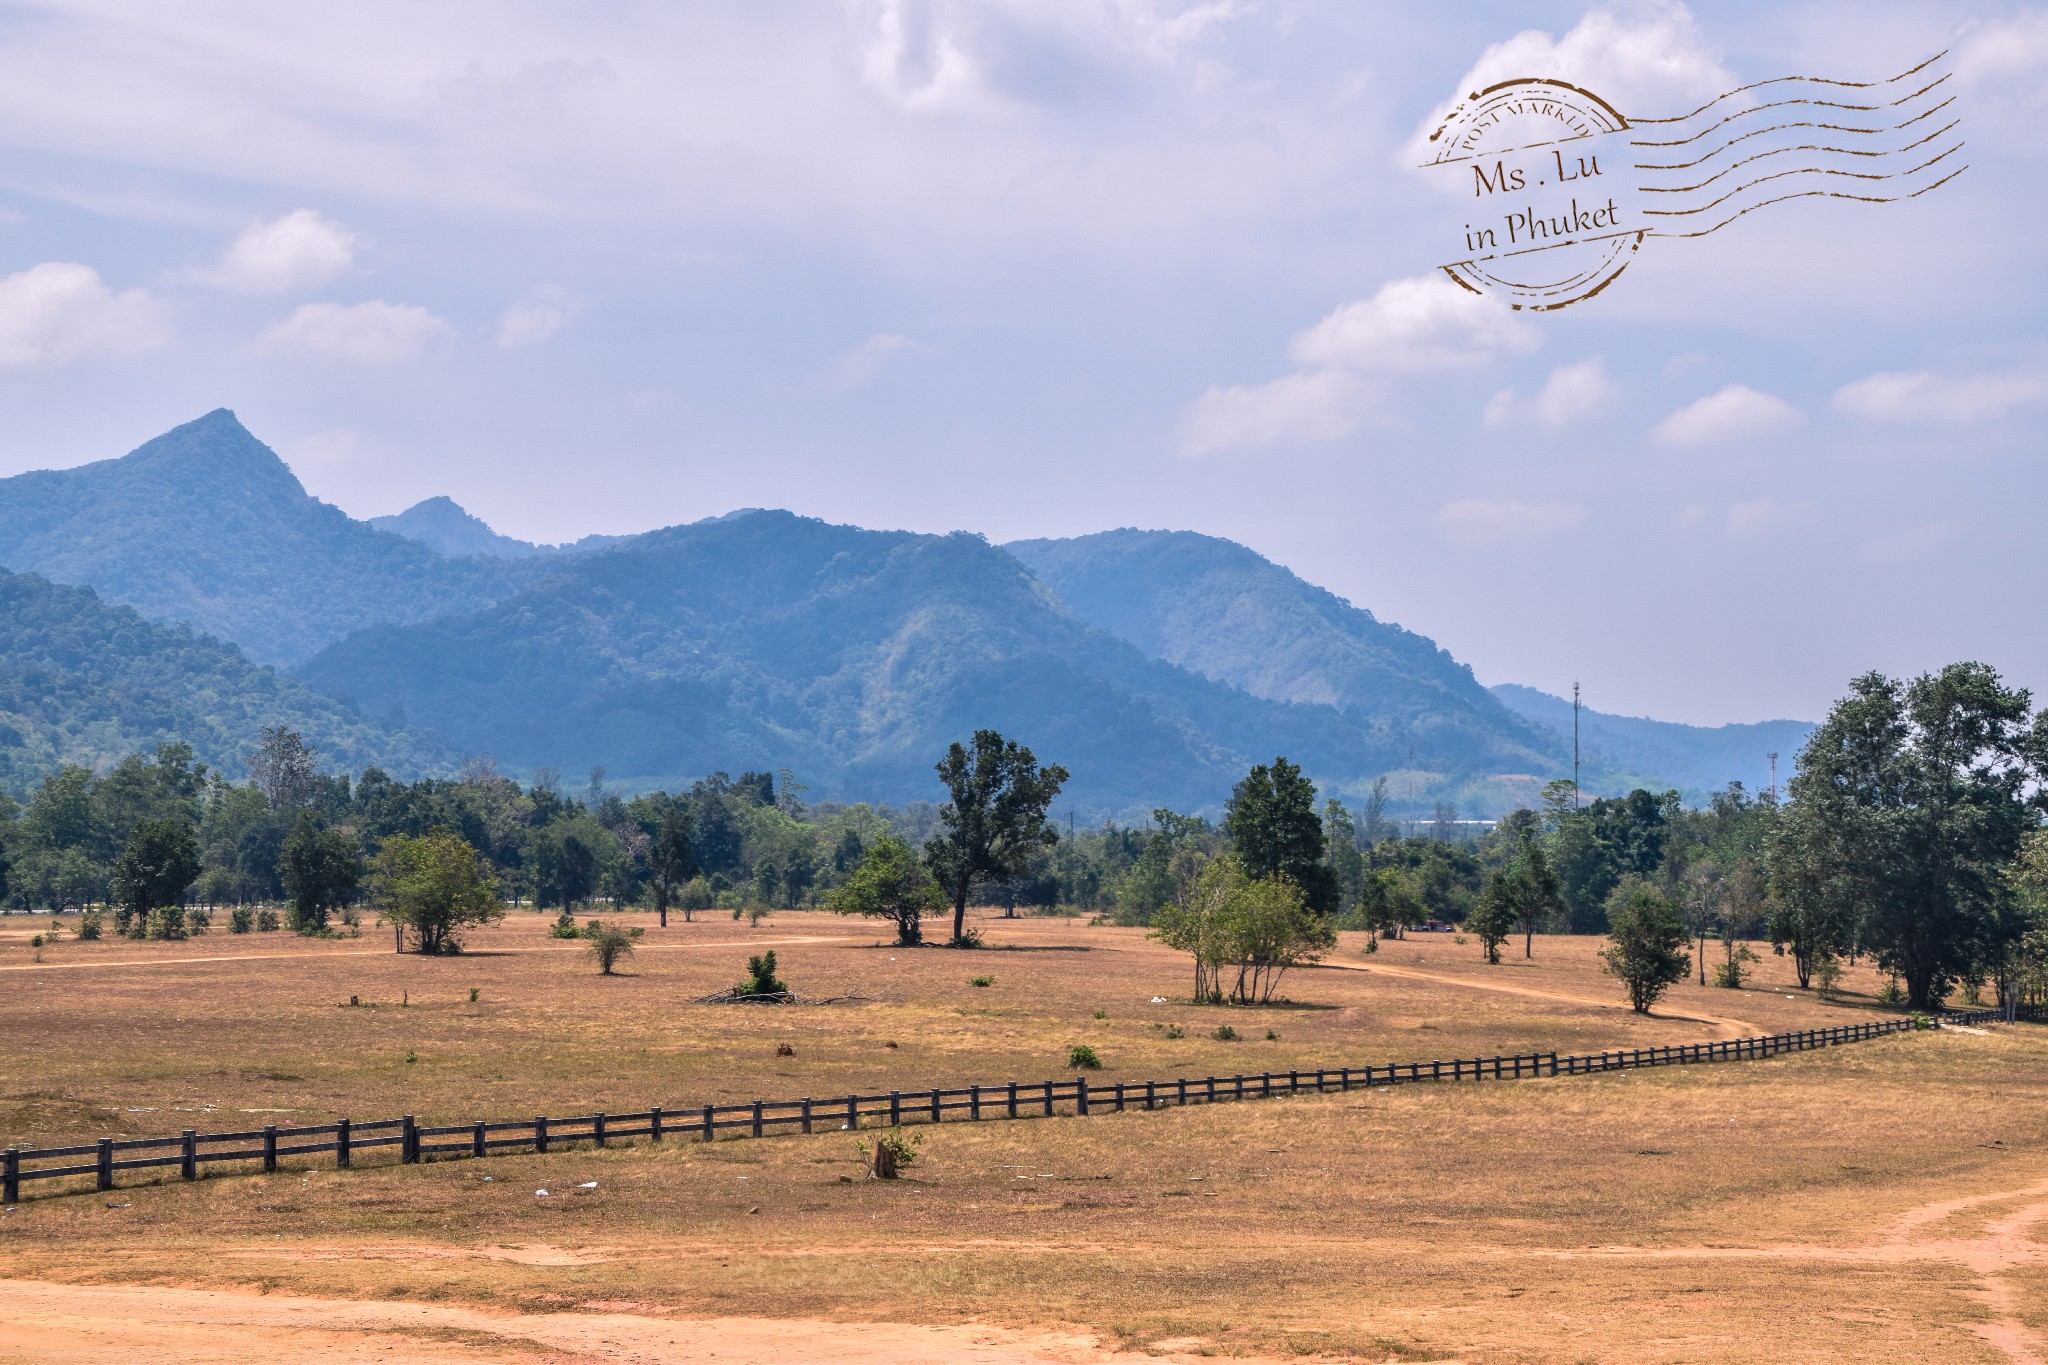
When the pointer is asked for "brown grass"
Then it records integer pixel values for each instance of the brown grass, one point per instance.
(1743, 1212)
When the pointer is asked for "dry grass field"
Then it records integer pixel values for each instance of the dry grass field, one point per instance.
(1874, 1202)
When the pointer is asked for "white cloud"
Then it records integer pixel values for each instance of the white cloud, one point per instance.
(301, 250)
(1319, 405)
(1729, 414)
(1762, 516)
(372, 333)
(1920, 396)
(1992, 50)
(868, 359)
(1652, 62)
(336, 446)
(1415, 325)
(544, 311)
(58, 312)
(1477, 521)
(1572, 393)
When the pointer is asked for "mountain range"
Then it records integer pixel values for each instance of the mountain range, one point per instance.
(1156, 665)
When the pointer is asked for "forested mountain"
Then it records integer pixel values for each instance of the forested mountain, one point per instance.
(1226, 612)
(446, 527)
(85, 682)
(850, 656)
(206, 525)
(1636, 751)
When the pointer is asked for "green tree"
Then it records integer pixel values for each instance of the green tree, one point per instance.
(283, 769)
(1910, 802)
(890, 883)
(1243, 932)
(435, 885)
(1493, 916)
(563, 859)
(1646, 943)
(151, 877)
(671, 859)
(1274, 829)
(320, 869)
(993, 819)
(1531, 893)
(1387, 903)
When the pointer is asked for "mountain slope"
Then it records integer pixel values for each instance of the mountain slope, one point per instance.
(442, 525)
(82, 681)
(1696, 759)
(1227, 613)
(206, 525)
(851, 656)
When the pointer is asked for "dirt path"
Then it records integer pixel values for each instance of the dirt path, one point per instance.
(385, 952)
(2000, 1246)
(65, 1324)
(1736, 1028)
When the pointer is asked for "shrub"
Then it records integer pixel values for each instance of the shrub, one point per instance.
(564, 927)
(267, 921)
(1827, 976)
(1175, 1031)
(1646, 943)
(1224, 1034)
(981, 981)
(1272, 1037)
(167, 923)
(35, 941)
(889, 1153)
(761, 979)
(1891, 994)
(241, 920)
(472, 995)
(411, 1057)
(1081, 1057)
(1732, 973)
(609, 945)
(1101, 1014)
(89, 925)
(197, 922)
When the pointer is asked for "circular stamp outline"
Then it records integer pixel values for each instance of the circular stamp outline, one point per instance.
(1473, 114)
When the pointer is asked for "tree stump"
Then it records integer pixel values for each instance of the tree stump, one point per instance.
(882, 1162)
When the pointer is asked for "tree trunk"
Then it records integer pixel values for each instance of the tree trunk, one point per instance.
(960, 908)
(661, 902)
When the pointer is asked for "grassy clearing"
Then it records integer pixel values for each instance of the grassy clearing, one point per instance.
(1651, 1216)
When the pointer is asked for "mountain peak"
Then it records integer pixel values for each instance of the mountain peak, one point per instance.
(216, 450)
(444, 525)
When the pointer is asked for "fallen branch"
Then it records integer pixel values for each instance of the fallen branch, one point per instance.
(738, 995)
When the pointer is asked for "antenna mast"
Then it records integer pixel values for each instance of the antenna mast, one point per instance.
(1575, 744)
(1774, 779)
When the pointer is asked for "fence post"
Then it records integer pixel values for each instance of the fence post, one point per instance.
(974, 1103)
(540, 1133)
(807, 1113)
(188, 1155)
(1180, 1091)
(1119, 1097)
(478, 1145)
(710, 1128)
(895, 1108)
(935, 1104)
(1048, 1099)
(10, 1176)
(1080, 1094)
(269, 1148)
(341, 1136)
(597, 1128)
(1010, 1097)
(1151, 1094)
(106, 1164)
(654, 1121)
(757, 1118)
(1212, 1090)
(408, 1140)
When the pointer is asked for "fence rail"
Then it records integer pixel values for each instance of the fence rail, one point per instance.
(190, 1151)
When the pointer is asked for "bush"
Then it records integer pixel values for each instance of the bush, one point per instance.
(1891, 994)
(1272, 1037)
(889, 1153)
(1732, 973)
(1081, 1057)
(609, 945)
(981, 981)
(267, 921)
(564, 926)
(1224, 1034)
(1827, 976)
(197, 922)
(761, 978)
(1175, 1031)
(89, 925)
(1646, 943)
(241, 920)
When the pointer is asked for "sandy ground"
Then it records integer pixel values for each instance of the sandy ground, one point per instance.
(61, 1324)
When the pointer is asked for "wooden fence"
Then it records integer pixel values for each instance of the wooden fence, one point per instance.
(191, 1152)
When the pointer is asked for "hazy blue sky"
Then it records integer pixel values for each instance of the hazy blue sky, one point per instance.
(1041, 267)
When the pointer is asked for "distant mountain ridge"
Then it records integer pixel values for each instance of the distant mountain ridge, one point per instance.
(83, 681)
(1696, 759)
(206, 525)
(1156, 664)
(852, 656)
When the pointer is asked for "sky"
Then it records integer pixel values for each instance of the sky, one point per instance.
(1046, 267)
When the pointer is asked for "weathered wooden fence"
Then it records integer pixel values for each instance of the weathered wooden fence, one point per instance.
(191, 1152)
